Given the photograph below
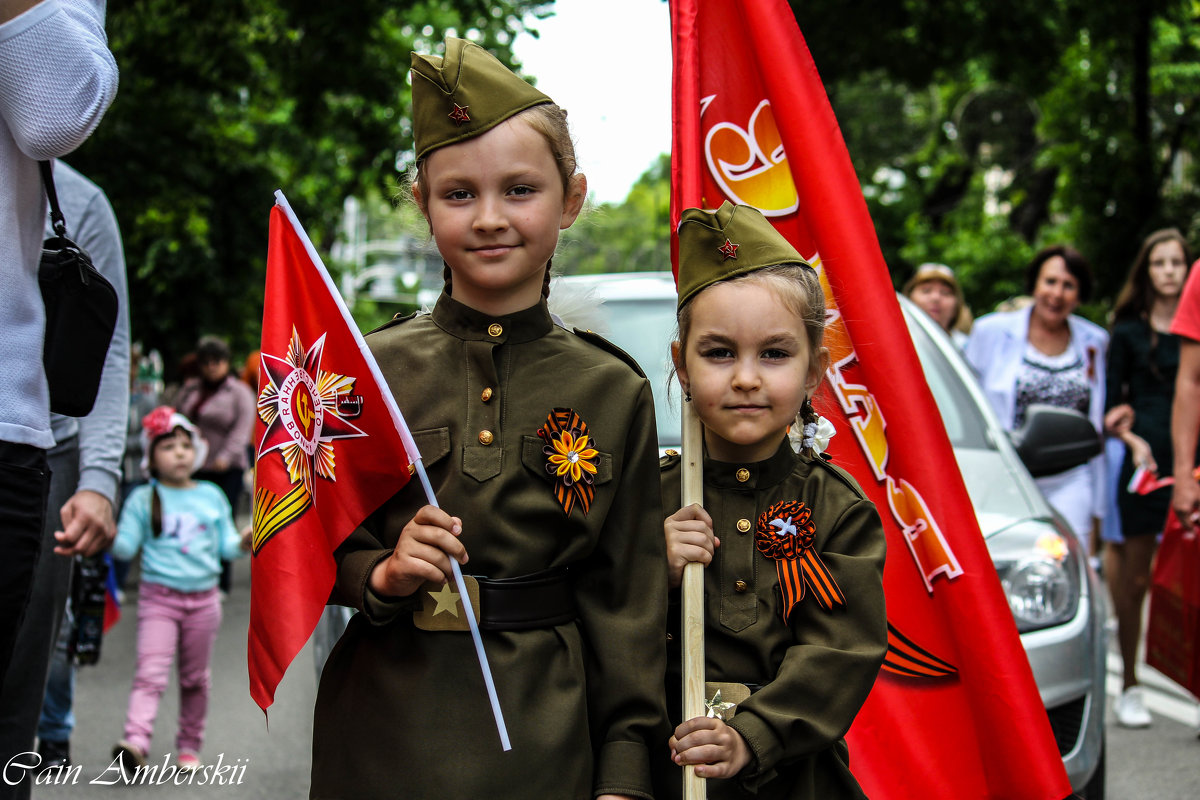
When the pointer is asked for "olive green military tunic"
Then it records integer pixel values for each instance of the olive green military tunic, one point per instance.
(403, 712)
(809, 677)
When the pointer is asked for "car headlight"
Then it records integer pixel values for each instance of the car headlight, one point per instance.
(1039, 568)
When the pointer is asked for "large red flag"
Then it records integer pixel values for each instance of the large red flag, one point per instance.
(955, 713)
(331, 448)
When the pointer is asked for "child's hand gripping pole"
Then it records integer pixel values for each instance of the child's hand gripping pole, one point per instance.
(465, 597)
(692, 626)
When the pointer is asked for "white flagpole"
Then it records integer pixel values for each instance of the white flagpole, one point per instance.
(414, 457)
(470, 612)
(692, 627)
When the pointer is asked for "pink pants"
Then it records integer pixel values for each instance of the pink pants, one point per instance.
(170, 621)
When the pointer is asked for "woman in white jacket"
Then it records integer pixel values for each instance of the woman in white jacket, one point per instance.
(1045, 354)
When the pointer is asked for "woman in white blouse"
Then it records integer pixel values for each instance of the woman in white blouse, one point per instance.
(1046, 354)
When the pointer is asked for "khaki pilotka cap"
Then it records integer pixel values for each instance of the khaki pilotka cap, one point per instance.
(733, 240)
(463, 94)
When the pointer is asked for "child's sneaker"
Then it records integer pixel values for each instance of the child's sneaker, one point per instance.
(188, 761)
(1130, 708)
(129, 756)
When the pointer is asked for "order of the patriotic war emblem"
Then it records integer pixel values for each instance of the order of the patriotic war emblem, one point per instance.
(305, 408)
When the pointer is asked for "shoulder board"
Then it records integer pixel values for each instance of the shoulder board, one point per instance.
(839, 473)
(394, 321)
(669, 459)
(605, 344)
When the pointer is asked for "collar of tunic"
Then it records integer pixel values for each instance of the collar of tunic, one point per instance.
(470, 325)
(752, 475)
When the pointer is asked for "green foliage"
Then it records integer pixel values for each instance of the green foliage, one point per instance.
(983, 131)
(623, 237)
(223, 102)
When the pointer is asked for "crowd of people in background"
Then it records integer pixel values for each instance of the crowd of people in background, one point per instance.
(1035, 349)
(127, 459)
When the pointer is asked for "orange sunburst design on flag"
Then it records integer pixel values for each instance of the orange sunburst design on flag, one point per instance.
(305, 408)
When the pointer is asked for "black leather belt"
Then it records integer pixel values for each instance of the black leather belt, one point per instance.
(539, 600)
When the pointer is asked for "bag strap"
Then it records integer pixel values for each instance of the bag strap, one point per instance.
(57, 221)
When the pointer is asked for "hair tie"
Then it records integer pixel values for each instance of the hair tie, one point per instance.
(810, 435)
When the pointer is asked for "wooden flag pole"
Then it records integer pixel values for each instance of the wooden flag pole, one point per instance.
(692, 626)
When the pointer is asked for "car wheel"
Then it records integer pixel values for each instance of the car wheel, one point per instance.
(1095, 787)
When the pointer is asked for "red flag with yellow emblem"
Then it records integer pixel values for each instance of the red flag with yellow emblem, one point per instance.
(955, 712)
(331, 447)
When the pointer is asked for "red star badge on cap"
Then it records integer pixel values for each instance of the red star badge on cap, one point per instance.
(729, 249)
(459, 114)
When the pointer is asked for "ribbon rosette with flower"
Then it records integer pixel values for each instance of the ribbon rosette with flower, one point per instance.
(571, 458)
(785, 533)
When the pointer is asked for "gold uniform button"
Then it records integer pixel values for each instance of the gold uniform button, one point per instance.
(742, 475)
(495, 329)
(486, 437)
(743, 525)
(672, 452)
(740, 586)
(486, 394)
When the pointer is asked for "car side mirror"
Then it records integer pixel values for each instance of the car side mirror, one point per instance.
(1054, 439)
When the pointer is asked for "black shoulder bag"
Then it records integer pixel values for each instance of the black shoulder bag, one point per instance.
(81, 313)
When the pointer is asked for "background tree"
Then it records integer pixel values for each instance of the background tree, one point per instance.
(982, 131)
(222, 102)
(627, 236)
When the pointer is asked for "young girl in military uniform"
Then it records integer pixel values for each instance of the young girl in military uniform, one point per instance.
(795, 629)
(540, 446)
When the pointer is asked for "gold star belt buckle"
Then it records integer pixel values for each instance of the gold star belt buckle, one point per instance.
(721, 699)
(442, 607)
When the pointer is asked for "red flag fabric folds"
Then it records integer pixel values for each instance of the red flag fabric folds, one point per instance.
(331, 448)
(956, 712)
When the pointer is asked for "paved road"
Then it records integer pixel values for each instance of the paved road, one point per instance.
(1162, 762)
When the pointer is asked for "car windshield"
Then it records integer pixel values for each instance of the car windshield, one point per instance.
(965, 426)
(645, 328)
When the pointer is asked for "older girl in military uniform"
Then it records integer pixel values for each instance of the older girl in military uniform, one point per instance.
(795, 629)
(540, 446)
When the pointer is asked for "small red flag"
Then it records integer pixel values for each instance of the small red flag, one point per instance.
(112, 600)
(955, 713)
(331, 447)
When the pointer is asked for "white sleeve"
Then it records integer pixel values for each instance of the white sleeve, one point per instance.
(57, 76)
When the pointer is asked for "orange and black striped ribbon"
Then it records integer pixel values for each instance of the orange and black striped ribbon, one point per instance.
(907, 658)
(785, 533)
(566, 491)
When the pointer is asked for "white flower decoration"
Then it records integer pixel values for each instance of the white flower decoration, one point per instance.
(815, 436)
